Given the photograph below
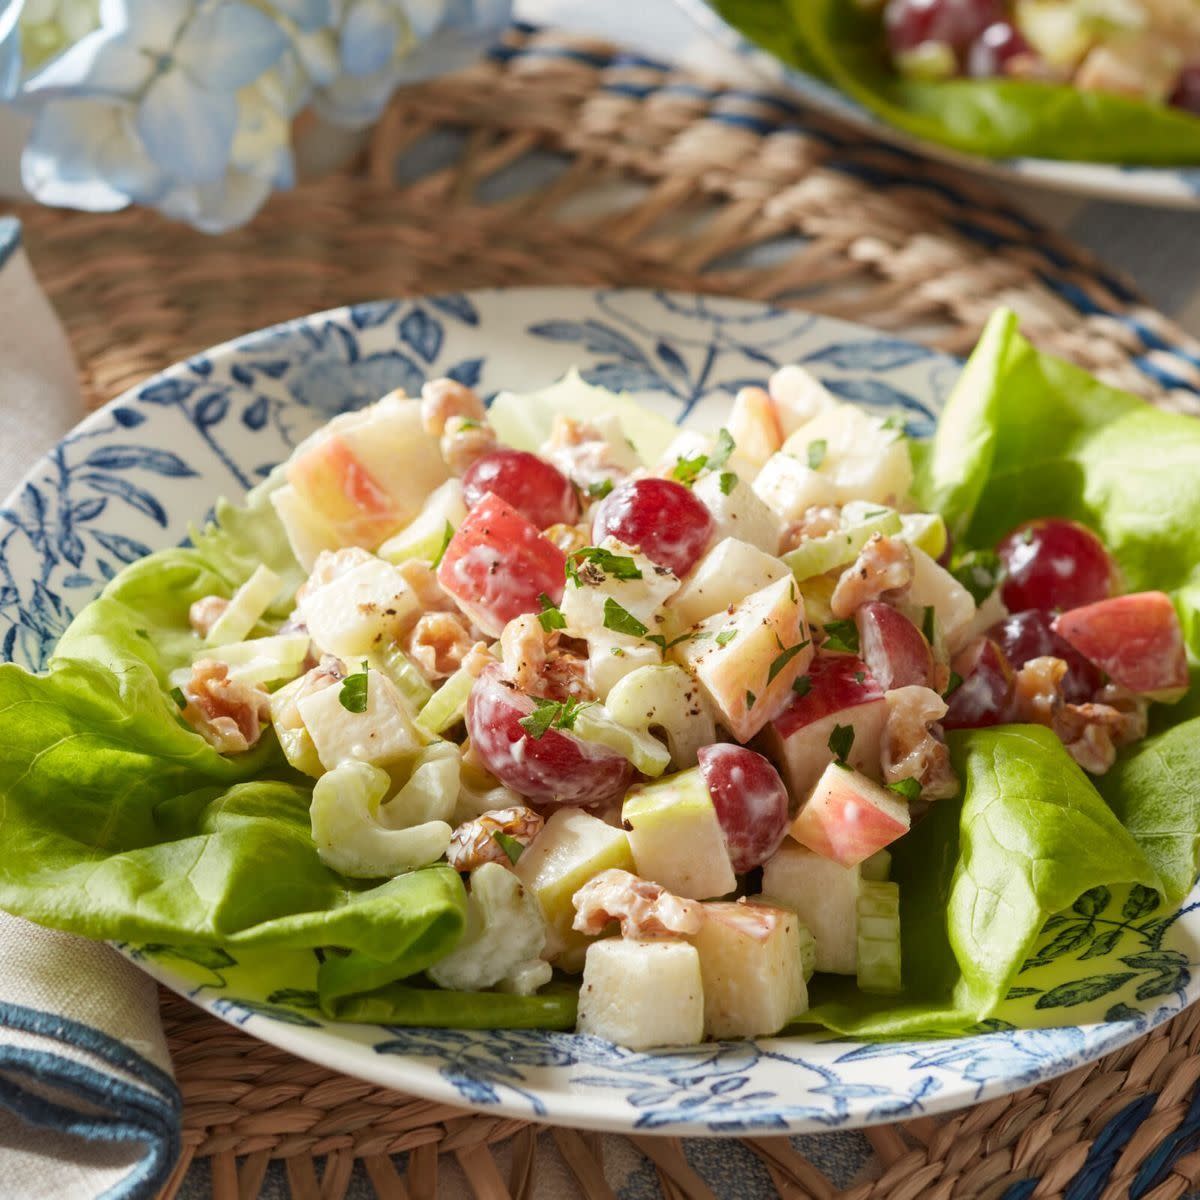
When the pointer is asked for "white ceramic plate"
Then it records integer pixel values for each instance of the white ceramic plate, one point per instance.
(1165, 187)
(132, 477)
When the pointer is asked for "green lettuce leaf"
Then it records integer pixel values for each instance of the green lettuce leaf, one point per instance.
(841, 42)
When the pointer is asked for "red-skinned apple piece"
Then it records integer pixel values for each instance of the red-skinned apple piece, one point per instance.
(850, 817)
(985, 695)
(894, 649)
(1136, 639)
(557, 768)
(330, 476)
(750, 799)
(498, 564)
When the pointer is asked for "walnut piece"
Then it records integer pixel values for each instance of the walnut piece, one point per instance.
(464, 440)
(883, 566)
(227, 713)
(644, 909)
(205, 613)
(536, 665)
(912, 747)
(442, 399)
(438, 643)
(815, 522)
(474, 842)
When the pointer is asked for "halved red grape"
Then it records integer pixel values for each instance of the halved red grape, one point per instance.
(1054, 564)
(659, 517)
(750, 799)
(985, 695)
(539, 491)
(954, 23)
(894, 649)
(1027, 635)
(1187, 91)
(557, 768)
(990, 53)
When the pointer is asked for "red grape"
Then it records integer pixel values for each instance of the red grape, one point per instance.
(1187, 91)
(1027, 635)
(557, 768)
(894, 649)
(986, 693)
(990, 53)
(659, 517)
(750, 799)
(955, 23)
(539, 491)
(1054, 564)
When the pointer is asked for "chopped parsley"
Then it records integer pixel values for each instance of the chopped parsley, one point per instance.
(955, 683)
(179, 698)
(551, 714)
(447, 534)
(662, 643)
(468, 423)
(841, 636)
(599, 489)
(860, 676)
(980, 572)
(816, 453)
(721, 451)
(802, 685)
(929, 623)
(751, 699)
(589, 565)
(621, 620)
(783, 658)
(617, 652)
(875, 512)
(841, 742)
(353, 696)
(726, 636)
(686, 470)
(727, 482)
(509, 845)
(551, 616)
(909, 788)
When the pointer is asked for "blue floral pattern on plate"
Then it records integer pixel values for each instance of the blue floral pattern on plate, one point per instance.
(139, 473)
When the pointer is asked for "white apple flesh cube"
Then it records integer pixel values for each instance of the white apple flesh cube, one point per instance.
(857, 452)
(642, 993)
(359, 611)
(730, 570)
(824, 895)
(840, 692)
(934, 587)
(583, 602)
(383, 733)
(738, 511)
(849, 817)
(751, 967)
(789, 487)
(612, 657)
(746, 660)
(572, 847)
(676, 838)
(754, 425)
(798, 396)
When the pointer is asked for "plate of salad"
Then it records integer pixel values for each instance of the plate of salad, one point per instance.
(626, 709)
(1098, 97)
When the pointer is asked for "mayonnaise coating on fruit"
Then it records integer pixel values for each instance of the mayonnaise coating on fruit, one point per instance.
(609, 672)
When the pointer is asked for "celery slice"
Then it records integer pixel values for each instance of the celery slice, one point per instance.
(879, 937)
(405, 674)
(647, 753)
(246, 607)
(816, 556)
(448, 704)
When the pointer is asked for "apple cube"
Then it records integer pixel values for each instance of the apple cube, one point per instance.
(676, 838)
(934, 587)
(738, 511)
(798, 396)
(824, 895)
(583, 602)
(789, 487)
(307, 531)
(849, 817)
(754, 425)
(383, 733)
(747, 659)
(572, 847)
(837, 690)
(360, 610)
(1136, 639)
(424, 536)
(498, 564)
(751, 966)
(730, 570)
(642, 993)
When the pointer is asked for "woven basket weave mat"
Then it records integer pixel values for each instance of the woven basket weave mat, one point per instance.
(657, 179)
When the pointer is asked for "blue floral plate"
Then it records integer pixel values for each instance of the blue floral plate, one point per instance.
(1164, 187)
(135, 475)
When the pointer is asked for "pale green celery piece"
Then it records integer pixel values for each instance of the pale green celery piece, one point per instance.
(246, 607)
(647, 753)
(448, 705)
(879, 937)
(816, 556)
(404, 673)
(925, 531)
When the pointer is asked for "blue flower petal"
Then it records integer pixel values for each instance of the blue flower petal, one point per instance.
(230, 46)
(10, 48)
(154, 24)
(308, 14)
(369, 36)
(219, 206)
(59, 163)
(424, 16)
(100, 64)
(186, 130)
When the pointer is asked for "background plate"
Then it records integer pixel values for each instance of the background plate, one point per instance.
(133, 477)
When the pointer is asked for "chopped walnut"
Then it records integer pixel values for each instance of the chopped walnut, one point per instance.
(205, 613)
(884, 565)
(1037, 692)
(442, 399)
(477, 658)
(227, 713)
(582, 452)
(536, 665)
(474, 842)
(912, 747)
(422, 578)
(564, 676)
(644, 909)
(815, 522)
(464, 440)
(438, 643)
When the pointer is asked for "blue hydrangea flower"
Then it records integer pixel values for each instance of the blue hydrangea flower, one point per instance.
(10, 47)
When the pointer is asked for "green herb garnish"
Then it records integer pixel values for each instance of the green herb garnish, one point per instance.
(353, 696)
(802, 685)
(816, 453)
(599, 489)
(751, 699)
(621, 620)
(841, 636)
(955, 683)
(509, 845)
(179, 698)
(783, 658)
(841, 742)
(589, 565)
(551, 714)
(727, 482)
(980, 572)
(929, 623)
(687, 469)
(726, 636)
(551, 617)
(721, 451)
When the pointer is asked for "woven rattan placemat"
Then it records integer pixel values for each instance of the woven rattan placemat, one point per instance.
(561, 160)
